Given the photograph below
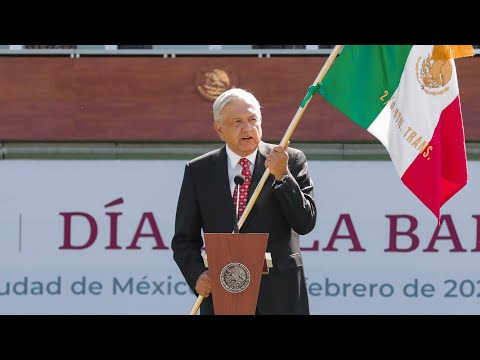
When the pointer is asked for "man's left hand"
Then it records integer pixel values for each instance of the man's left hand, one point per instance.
(277, 161)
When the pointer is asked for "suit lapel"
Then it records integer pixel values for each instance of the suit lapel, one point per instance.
(259, 168)
(220, 183)
(258, 172)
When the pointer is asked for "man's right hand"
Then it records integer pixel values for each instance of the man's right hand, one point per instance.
(203, 286)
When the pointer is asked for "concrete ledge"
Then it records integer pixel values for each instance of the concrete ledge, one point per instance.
(186, 151)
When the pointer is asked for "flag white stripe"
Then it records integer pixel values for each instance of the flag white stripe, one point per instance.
(418, 110)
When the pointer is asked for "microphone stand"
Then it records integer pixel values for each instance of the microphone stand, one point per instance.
(236, 230)
(239, 180)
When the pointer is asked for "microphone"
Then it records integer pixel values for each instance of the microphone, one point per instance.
(238, 180)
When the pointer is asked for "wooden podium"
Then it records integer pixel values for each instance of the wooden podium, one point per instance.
(235, 266)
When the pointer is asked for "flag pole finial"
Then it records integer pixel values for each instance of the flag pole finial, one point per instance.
(447, 52)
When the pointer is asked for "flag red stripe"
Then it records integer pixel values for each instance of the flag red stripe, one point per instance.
(437, 177)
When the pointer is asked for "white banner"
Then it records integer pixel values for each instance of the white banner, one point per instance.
(93, 237)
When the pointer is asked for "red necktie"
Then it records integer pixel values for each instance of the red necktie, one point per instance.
(245, 163)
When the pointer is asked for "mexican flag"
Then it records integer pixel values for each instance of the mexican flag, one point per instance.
(410, 102)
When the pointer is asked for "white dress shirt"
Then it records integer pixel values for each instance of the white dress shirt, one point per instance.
(234, 167)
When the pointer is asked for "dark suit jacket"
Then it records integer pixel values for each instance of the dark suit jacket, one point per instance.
(205, 202)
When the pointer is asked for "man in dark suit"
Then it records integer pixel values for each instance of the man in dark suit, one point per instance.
(284, 209)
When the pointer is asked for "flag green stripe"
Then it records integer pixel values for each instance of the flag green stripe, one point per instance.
(359, 78)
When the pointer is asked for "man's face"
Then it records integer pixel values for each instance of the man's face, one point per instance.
(239, 127)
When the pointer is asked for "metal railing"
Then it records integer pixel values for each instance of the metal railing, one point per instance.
(168, 53)
(76, 53)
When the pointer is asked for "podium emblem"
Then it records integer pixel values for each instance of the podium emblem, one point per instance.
(235, 277)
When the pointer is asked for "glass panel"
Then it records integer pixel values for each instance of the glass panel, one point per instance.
(91, 47)
(50, 46)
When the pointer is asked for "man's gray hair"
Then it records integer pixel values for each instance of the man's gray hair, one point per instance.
(235, 94)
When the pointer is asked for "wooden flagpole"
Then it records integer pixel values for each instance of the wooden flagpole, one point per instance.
(289, 132)
(283, 143)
